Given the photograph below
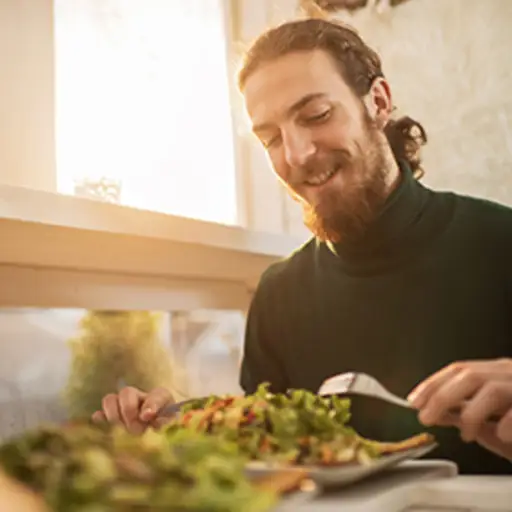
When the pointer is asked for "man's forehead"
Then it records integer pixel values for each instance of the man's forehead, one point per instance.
(277, 85)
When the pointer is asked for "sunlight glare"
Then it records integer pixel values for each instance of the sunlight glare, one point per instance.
(143, 98)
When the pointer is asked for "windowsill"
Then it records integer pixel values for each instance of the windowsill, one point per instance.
(87, 239)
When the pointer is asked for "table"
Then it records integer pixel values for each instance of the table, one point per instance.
(418, 486)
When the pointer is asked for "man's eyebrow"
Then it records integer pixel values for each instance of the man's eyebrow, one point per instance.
(292, 109)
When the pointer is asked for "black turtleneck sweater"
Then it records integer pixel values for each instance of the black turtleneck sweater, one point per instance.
(430, 284)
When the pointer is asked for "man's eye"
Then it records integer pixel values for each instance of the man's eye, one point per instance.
(323, 116)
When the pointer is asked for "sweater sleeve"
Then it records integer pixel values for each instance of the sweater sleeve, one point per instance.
(261, 362)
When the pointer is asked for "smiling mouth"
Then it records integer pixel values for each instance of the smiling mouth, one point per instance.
(321, 179)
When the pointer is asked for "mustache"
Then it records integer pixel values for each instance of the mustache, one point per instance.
(324, 162)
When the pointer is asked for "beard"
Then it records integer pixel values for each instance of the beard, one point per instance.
(346, 216)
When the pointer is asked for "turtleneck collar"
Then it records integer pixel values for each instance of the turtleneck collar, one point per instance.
(407, 219)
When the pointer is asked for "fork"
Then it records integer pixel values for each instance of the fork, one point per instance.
(360, 384)
(366, 385)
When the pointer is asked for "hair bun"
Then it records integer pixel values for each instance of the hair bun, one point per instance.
(406, 138)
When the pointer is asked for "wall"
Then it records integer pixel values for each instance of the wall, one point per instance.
(27, 139)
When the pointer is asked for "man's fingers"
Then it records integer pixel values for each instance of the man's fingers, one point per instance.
(99, 417)
(461, 386)
(481, 389)
(427, 389)
(110, 408)
(488, 438)
(422, 393)
(493, 399)
(453, 385)
(133, 408)
(130, 402)
(154, 403)
(504, 429)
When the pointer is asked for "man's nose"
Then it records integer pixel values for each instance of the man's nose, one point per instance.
(298, 148)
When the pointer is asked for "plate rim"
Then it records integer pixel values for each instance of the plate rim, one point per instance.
(344, 473)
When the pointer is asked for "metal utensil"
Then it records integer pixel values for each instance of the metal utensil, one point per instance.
(363, 384)
(360, 384)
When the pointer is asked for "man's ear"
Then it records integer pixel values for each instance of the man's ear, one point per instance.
(379, 102)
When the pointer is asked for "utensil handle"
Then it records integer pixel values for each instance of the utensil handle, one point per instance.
(172, 409)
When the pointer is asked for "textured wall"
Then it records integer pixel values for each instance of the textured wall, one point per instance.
(449, 67)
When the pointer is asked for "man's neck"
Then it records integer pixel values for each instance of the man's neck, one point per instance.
(393, 173)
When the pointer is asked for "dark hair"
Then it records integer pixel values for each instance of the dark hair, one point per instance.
(358, 64)
(406, 138)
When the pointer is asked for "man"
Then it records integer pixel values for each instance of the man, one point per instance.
(399, 281)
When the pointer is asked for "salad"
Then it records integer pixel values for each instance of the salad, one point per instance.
(85, 468)
(298, 427)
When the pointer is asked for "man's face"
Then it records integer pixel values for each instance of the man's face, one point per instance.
(322, 141)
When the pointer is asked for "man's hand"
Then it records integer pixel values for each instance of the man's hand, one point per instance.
(481, 389)
(134, 409)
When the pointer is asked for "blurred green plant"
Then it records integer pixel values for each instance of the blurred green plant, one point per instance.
(115, 349)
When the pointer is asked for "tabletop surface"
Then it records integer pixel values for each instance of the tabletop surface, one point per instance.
(416, 486)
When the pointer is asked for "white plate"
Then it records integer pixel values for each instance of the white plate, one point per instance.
(344, 475)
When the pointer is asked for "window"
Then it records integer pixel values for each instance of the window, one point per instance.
(143, 105)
